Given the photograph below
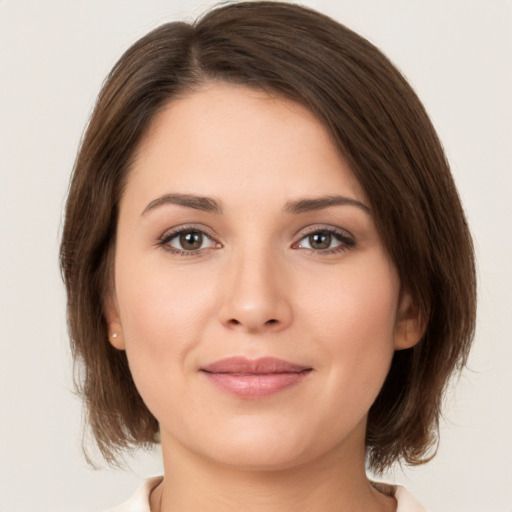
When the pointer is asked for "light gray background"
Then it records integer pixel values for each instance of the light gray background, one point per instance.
(54, 55)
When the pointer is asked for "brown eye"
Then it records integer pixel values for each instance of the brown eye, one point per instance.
(326, 241)
(191, 240)
(320, 240)
(187, 241)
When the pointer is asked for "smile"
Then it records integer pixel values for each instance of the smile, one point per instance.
(252, 379)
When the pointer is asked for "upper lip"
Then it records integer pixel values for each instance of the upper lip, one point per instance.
(263, 365)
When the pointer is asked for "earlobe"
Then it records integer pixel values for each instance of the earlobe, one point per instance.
(410, 323)
(116, 340)
(115, 331)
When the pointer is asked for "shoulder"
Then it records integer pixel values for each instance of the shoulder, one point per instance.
(139, 502)
(406, 502)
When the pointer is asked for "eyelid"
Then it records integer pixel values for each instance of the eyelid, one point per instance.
(347, 240)
(314, 228)
(187, 227)
(171, 233)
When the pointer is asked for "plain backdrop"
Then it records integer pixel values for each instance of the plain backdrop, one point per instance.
(54, 55)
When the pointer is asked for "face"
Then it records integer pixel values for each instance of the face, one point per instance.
(253, 296)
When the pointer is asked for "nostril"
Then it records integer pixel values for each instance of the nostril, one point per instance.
(271, 321)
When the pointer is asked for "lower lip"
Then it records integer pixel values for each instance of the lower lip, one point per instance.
(256, 385)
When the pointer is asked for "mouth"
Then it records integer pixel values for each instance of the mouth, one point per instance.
(254, 378)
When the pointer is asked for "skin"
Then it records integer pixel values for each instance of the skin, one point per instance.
(260, 285)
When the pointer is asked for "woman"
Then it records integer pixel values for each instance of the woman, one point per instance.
(268, 268)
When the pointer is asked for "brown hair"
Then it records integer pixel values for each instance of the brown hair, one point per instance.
(381, 128)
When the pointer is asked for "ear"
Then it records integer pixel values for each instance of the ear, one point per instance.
(115, 331)
(410, 323)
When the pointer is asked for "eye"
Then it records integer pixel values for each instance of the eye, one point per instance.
(325, 241)
(187, 241)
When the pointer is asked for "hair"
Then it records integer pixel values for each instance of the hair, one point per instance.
(377, 123)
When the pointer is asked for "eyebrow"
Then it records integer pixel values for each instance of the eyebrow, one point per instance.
(319, 203)
(206, 204)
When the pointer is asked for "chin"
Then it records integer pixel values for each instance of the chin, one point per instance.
(257, 449)
(254, 458)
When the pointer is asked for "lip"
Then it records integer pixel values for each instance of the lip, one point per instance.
(254, 378)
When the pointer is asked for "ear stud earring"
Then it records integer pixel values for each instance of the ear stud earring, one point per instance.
(114, 335)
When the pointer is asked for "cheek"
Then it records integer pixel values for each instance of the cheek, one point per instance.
(359, 304)
(353, 320)
(159, 305)
(163, 317)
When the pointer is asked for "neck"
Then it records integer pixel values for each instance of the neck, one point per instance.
(329, 483)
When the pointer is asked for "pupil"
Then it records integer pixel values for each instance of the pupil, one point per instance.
(191, 240)
(320, 240)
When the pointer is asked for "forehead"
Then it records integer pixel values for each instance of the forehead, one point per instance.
(222, 134)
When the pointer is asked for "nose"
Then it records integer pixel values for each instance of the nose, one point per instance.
(255, 295)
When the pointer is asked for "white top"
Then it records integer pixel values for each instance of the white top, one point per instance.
(139, 502)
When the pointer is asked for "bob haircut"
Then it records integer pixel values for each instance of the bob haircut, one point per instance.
(380, 127)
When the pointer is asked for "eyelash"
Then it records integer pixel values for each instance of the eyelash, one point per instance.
(346, 240)
(169, 236)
